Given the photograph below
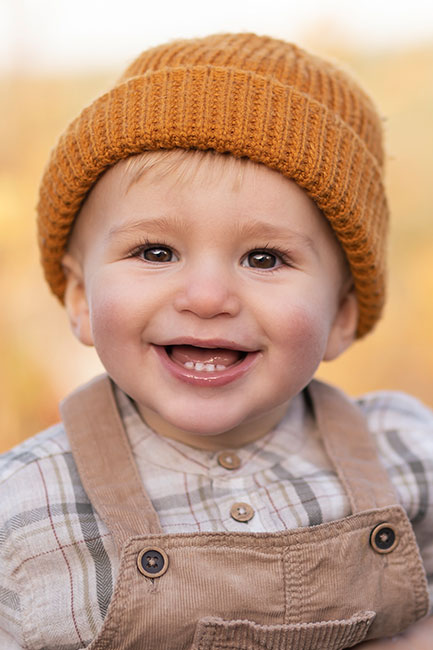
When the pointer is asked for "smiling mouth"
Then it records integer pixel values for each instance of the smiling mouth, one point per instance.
(206, 360)
(206, 367)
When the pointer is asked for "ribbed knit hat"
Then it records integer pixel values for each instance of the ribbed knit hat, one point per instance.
(251, 96)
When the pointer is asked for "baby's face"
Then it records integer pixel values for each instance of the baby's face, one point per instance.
(211, 303)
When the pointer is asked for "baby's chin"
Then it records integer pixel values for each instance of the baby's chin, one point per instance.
(211, 431)
(203, 428)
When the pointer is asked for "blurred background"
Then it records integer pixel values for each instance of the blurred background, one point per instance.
(56, 56)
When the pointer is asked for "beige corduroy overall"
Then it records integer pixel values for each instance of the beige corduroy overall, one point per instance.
(324, 587)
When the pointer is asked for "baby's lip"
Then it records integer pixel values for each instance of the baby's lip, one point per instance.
(227, 344)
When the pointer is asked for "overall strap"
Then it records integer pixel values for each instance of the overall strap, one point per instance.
(105, 463)
(350, 447)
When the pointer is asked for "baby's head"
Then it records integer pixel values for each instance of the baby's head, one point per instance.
(243, 247)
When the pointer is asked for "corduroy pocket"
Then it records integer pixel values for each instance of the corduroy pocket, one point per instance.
(218, 634)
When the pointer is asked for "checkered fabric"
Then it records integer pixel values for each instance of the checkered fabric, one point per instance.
(58, 562)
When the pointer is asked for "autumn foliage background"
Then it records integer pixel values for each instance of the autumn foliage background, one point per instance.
(40, 361)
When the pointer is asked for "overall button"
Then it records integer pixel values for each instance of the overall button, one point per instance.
(228, 460)
(152, 562)
(242, 511)
(384, 538)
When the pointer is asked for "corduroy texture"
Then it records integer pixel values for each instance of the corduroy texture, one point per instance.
(251, 96)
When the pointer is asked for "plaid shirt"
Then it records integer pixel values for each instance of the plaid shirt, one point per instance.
(58, 562)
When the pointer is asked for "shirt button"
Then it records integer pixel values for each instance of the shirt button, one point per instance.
(383, 538)
(242, 511)
(229, 460)
(152, 562)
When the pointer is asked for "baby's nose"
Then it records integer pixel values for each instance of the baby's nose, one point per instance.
(208, 293)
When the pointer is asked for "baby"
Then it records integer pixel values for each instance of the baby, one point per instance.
(215, 226)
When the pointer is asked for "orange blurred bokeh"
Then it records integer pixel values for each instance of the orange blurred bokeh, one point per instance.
(40, 359)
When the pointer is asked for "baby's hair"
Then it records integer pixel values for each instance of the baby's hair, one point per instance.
(182, 166)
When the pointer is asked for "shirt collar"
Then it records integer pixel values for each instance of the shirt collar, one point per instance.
(291, 436)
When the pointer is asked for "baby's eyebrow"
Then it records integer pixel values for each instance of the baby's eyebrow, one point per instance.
(254, 228)
(160, 225)
(247, 230)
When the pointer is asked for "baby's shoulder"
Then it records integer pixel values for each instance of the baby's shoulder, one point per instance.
(32, 471)
(402, 428)
(46, 444)
(387, 411)
(49, 535)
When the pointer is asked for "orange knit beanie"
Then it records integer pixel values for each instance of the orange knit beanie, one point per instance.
(251, 96)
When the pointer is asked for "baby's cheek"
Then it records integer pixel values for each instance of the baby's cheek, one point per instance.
(303, 332)
(108, 319)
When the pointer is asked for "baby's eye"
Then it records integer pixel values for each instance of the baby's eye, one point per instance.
(262, 260)
(156, 254)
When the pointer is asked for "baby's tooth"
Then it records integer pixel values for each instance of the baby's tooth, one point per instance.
(208, 367)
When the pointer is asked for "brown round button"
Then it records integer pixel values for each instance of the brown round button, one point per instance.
(383, 538)
(242, 511)
(152, 562)
(229, 460)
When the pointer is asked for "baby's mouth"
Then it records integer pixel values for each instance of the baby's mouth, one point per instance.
(200, 359)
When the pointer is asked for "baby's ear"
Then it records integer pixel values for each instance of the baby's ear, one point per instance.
(76, 304)
(343, 331)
